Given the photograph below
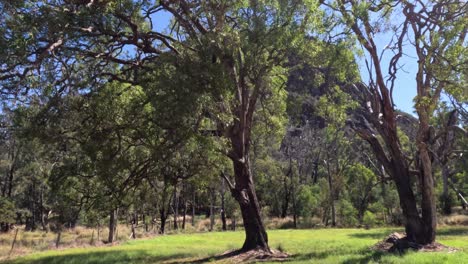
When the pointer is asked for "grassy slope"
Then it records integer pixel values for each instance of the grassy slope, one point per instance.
(306, 246)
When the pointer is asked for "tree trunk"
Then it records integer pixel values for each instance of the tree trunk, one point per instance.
(175, 207)
(184, 215)
(223, 212)
(44, 214)
(244, 192)
(99, 232)
(212, 213)
(31, 224)
(446, 201)
(426, 183)
(162, 208)
(417, 229)
(233, 223)
(163, 219)
(59, 236)
(133, 223)
(294, 204)
(285, 205)
(112, 226)
(193, 208)
(332, 195)
(145, 223)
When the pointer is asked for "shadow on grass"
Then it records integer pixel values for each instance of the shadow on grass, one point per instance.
(363, 256)
(103, 257)
(311, 256)
(458, 231)
(207, 259)
(374, 235)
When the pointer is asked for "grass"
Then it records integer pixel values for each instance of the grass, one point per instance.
(305, 246)
(30, 242)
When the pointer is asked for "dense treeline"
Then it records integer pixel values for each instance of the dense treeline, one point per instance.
(238, 111)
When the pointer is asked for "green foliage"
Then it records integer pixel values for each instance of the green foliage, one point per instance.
(7, 211)
(307, 200)
(347, 213)
(360, 182)
(369, 219)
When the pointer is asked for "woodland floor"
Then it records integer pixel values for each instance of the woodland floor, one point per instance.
(303, 246)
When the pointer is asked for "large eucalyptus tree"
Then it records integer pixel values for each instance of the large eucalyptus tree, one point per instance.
(230, 51)
(435, 33)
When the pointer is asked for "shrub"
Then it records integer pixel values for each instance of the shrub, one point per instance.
(369, 219)
(347, 213)
(7, 211)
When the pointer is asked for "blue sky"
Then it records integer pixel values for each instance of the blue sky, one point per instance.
(405, 83)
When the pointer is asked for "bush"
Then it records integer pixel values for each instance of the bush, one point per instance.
(369, 219)
(7, 211)
(347, 213)
(307, 202)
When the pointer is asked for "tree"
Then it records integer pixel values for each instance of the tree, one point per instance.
(240, 63)
(361, 176)
(238, 46)
(7, 212)
(435, 31)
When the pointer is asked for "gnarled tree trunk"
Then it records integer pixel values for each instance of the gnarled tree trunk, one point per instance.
(244, 193)
(420, 228)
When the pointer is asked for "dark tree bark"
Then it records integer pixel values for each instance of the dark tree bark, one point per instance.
(133, 223)
(13, 157)
(223, 212)
(446, 202)
(332, 194)
(112, 225)
(285, 205)
(164, 205)
(244, 193)
(163, 218)
(184, 215)
(212, 204)
(193, 207)
(31, 224)
(143, 218)
(175, 207)
(233, 223)
(244, 189)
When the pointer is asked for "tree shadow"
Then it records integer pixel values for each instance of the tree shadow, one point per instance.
(102, 257)
(311, 256)
(364, 258)
(374, 235)
(457, 231)
(226, 255)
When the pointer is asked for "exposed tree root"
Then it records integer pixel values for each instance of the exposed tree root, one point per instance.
(257, 255)
(238, 256)
(397, 243)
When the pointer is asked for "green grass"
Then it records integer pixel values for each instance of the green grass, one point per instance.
(305, 246)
